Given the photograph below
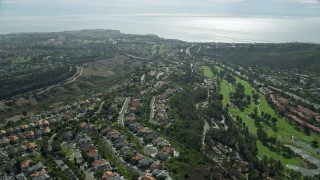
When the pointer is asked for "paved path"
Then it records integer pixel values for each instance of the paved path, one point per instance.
(76, 77)
(258, 107)
(307, 156)
(123, 110)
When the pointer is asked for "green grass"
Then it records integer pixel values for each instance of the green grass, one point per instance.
(225, 90)
(162, 49)
(218, 68)
(158, 49)
(207, 71)
(66, 151)
(286, 130)
(247, 120)
(154, 50)
(248, 88)
(265, 151)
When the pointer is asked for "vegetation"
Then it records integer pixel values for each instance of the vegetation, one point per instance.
(207, 71)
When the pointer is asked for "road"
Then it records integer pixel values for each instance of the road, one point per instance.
(143, 78)
(159, 75)
(99, 110)
(152, 111)
(307, 156)
(76, 154)
(50, 87)
(188, 51)
(199, 49)
(136, 57)
(206, 128)
(59, 162)
(58, 84)
(50, 142)
(123, 110)
(66, 169)
(75, 78)
(114, 153)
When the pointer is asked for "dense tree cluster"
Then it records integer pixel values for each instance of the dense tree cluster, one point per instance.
(22, 83)
(239, 98)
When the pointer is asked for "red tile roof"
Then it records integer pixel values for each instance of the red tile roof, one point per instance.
(30, 134)
(38, 173)
(137, 157)
(108, 174)
(99, 162)
(92, 152)
(25, 163)
(13, 138)
(168, 149)
(31, 145)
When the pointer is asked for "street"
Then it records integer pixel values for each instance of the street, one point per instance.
(123, 110)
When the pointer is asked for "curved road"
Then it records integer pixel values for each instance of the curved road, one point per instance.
(58, 84)
(75, 78)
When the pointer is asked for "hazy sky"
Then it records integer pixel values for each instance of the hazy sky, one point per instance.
(301, 8)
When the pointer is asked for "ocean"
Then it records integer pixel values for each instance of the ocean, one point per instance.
(187, 28)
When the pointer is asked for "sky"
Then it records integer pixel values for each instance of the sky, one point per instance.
(274, 8)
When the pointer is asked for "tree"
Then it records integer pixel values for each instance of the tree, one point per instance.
(315, 144)
(306, 130)
(255, 96)
(273, 140)
(24, 113)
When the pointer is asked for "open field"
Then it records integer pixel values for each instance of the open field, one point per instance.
(103, 68)
(225, 90)
(207, 71)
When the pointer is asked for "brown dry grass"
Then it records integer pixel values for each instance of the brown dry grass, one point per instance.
(103, 68)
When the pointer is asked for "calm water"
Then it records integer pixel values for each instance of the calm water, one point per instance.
(188, 28)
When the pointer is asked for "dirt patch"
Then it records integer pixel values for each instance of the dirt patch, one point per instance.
(23, 101)
(33, 101)
(75, 88)
(103, 68)
(3, 106)
(101, 72)
(15, 118)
